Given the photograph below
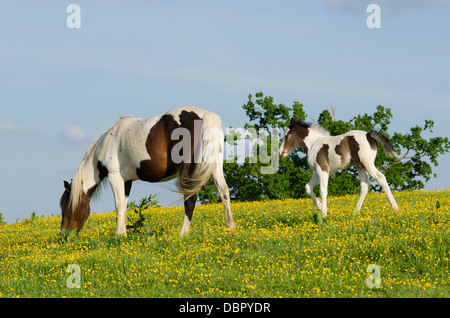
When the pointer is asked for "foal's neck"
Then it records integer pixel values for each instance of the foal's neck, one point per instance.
(314, 133)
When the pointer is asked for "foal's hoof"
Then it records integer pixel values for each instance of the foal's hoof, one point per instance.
(231, 226)
(318, 218)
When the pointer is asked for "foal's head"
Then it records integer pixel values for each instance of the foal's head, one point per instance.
(73, 217)
(294, 136)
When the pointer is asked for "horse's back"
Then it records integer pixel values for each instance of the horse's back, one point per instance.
(362, 138)
(342, 150)
(123, 144)
(139, 148)
(177, 112)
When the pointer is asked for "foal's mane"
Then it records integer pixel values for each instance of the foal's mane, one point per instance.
(313, 127)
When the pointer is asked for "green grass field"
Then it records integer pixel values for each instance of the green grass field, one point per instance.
(277, 250)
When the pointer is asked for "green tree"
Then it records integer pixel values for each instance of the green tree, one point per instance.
(2, 220)
(409, 170)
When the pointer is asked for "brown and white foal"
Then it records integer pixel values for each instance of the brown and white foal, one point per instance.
(327, 154)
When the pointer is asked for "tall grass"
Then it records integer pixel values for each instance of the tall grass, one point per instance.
(277, 250)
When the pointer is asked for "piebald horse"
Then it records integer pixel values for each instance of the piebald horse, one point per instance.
(326, 154)
(185, 142)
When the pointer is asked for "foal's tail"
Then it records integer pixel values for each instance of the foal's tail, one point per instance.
(385, 142)
(208, 153)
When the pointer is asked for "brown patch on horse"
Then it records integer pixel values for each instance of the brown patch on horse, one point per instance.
(354, 149)
(128, 188)
(343, 150)
(102, 171)
(75, 218)
(159, 165)
(348, 149)
(322, 158)
(302, 133)
(187, 120)
(297, 134)
(186, 169)
(372, 142)
(159, 147)
(291, 141)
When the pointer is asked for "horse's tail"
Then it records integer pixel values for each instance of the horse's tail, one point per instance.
(388, 147)
(208, 154)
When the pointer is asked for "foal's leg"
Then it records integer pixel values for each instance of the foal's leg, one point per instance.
(118, 188)
(189, 206)
(310, 190)
(381, 179)
(364, 178)
(323, 176)
(224, 194)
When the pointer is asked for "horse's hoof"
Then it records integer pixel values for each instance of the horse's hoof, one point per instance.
(231, 226)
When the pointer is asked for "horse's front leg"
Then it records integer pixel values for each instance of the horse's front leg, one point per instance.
(310, 190)
(118, 189)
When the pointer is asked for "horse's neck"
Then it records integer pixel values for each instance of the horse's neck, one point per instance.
(85, 177)
(314, 135)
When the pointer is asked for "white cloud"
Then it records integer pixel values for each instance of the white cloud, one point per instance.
(8, 128)
(72, 133)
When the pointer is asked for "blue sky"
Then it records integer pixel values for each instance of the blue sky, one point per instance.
(61, 88)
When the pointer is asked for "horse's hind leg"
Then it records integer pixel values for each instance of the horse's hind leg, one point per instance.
(189, 206)
(224, 194)
(381, 179)
(323, 177)
(364, 178)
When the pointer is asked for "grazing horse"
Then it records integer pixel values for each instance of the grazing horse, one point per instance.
(326, 154)
(150, 150)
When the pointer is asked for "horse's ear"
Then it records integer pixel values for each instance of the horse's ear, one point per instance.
(67, 186)
(292, 122)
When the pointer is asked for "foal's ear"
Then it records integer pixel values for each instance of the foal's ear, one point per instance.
(67, 186)
(292, 122)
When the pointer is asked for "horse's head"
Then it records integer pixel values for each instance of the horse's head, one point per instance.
(294, 136)
(73, 217)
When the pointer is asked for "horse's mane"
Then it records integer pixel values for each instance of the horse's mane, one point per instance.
(77, 182)
(311, 126)
(300, 122)
(319, 129)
